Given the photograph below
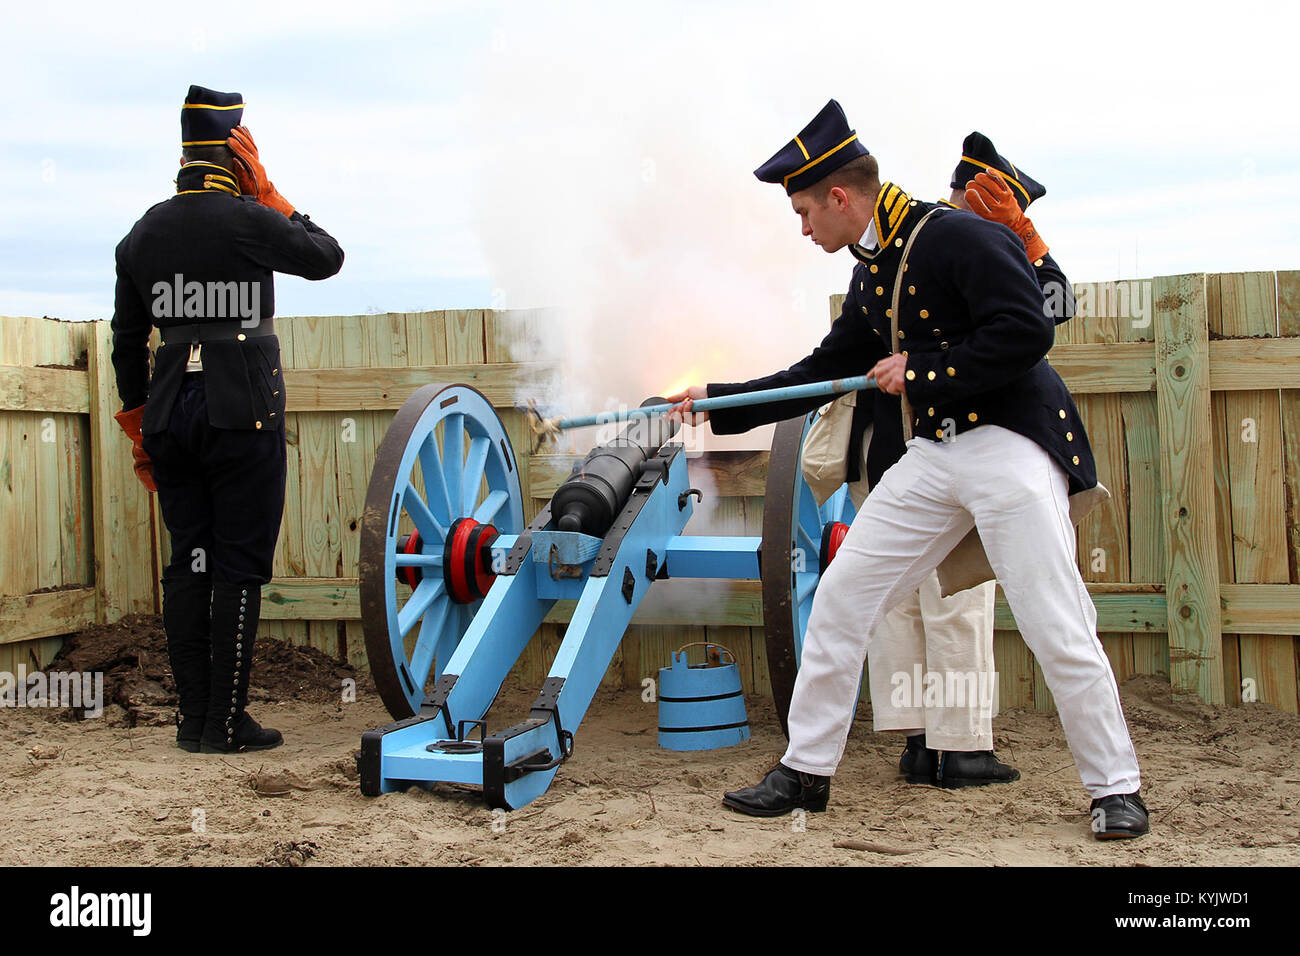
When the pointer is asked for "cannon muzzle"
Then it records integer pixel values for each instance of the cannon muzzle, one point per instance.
(591, 498)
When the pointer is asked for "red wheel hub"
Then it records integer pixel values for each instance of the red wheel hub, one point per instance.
(411, 575)
(832, 537)
(467, 560)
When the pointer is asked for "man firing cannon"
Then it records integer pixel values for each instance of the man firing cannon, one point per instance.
(949, 320)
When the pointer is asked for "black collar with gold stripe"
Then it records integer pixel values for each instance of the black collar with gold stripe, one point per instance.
(894, 218)
(197, 178)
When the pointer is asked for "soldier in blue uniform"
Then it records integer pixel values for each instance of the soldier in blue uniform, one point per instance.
(208, 424)
(998, 446)
(950, 741)
(988, 184)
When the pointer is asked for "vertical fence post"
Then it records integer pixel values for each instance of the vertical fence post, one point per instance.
(105, 494)
(1187, 486)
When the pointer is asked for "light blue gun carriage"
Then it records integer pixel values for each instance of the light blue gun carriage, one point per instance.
(449, 606)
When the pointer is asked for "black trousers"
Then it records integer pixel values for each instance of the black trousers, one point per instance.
(221, 492)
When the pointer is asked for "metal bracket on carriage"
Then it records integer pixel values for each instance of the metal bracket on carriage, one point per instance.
(525, 541)
(546, 707)
(654, 470)
(461, 745)
(497, 773)
(436, 701)
(541, 760)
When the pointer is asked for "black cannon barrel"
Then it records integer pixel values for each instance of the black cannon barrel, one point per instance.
(601, 484)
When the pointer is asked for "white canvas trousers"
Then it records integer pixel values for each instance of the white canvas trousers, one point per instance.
(930, 637)
(930, 665)
(1007, 487)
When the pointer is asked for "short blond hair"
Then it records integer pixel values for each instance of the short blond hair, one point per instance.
(861, 175)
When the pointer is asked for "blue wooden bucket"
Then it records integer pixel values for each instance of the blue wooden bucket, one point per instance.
(701, 707)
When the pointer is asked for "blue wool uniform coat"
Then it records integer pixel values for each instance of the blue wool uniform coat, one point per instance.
(209, 236)
(973, 324)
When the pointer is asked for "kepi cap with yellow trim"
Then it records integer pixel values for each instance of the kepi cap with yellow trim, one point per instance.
(821, 147)
(978, 154)
(208, 116)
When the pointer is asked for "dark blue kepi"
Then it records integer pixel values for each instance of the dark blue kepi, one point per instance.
(208, 116)
(978, 154)
(821, 147)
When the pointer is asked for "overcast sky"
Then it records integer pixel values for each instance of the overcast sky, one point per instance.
(600, 156)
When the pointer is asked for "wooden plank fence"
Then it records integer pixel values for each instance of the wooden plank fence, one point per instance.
(1189, 387)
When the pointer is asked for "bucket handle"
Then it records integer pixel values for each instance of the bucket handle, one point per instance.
(705, 644)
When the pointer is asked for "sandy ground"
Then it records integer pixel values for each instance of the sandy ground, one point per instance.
(1223, 786)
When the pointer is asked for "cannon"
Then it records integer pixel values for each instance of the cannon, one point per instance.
(449, 606)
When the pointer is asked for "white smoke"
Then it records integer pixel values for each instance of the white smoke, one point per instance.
(629, 206)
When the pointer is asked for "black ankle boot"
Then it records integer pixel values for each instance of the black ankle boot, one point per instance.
(918, 763)
(973, 768)
(782, 791)
(187, 608)
(228, 728)
(1121, 816)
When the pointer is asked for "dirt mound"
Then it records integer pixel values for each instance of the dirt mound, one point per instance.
(132, 656)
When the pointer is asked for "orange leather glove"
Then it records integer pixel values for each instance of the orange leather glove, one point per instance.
(131, 422)
(251, 174)
(991, 198)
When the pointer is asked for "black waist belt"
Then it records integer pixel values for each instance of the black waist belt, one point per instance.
(215, 331)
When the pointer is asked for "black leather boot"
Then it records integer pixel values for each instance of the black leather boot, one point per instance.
(1121, 816)
(228, 728)
(781, 791)
(186, 615)
(972, 768)
(918, 763)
